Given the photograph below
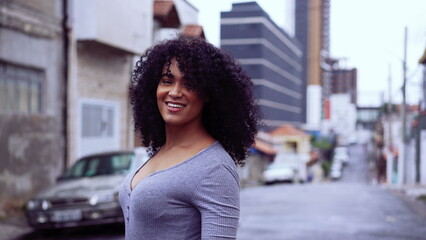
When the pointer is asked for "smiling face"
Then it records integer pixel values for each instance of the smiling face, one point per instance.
(177, 104)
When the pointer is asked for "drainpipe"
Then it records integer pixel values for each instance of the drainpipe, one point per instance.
(65, 42)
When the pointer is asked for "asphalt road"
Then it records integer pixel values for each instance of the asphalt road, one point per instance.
(106, 232)
(347, 209)
(350, 208)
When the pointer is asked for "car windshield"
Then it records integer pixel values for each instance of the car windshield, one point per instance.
(100, 165)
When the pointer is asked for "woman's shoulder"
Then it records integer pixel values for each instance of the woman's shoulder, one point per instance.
(215, 154)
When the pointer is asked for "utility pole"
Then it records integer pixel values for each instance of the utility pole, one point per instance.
(390, 156)
(403, 159)
(390, 109)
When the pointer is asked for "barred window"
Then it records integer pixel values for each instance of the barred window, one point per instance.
(20, 89)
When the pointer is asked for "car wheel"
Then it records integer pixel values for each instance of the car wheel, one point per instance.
(269, 183)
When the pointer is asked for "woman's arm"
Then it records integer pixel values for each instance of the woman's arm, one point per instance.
(217, 197)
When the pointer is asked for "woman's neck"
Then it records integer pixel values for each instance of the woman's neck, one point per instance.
(187, 136)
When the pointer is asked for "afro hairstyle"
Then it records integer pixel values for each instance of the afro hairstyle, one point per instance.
(230, 116)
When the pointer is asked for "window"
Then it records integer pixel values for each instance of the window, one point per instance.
(20, 89)
(97, 120)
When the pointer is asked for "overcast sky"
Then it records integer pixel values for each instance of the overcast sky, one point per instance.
(367, 34)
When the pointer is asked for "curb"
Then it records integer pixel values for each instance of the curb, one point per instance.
(417, 206)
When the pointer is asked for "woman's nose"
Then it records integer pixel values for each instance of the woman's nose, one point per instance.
(176, 90)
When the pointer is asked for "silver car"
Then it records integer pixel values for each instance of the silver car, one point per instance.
(87, 194)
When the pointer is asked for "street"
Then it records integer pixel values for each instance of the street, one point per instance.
(350, 208)
(347, 209)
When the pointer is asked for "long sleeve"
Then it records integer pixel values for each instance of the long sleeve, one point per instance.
(217, 197)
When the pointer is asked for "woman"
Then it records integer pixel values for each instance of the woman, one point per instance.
(193, 106)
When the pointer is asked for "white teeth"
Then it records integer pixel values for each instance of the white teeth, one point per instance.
(174, 105)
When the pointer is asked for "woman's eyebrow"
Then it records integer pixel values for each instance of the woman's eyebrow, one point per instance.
(167, 74)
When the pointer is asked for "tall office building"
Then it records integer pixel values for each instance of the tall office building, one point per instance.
(345, 81)
(271, 57)
(313, 32)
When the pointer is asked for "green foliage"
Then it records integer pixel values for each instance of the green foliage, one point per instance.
(385, 108)
(321, 143)
(326, 166)
(422, 198)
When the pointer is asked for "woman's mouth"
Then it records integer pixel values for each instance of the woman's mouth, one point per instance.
(175, 106)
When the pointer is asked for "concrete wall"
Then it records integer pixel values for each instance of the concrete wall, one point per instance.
(188, 14)
(31, 145)
(114, 23)
(32, 153)
(342, 115)
(313, 113)
(102, 73)
(106, 35)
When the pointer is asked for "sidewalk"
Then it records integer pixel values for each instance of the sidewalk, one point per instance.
(413, 195)
(13, 227)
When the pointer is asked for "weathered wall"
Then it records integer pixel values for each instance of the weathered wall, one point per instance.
(103, 73)
(31, 157)
(31, 145)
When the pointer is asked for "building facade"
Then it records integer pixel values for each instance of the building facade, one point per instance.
(273, 60)
(345, 81)
(422, 125)
(65, 70)
(367, 118)
(102, 55)
(313, 32)
(32, 99)
(175, 17)
(343, 116)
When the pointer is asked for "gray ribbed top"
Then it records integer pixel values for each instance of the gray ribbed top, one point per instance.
(196, 199)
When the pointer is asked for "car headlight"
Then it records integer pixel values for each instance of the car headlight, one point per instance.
(103, 198)
(45, 205)
(35, 204)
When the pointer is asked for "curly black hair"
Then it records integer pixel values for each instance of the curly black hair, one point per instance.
(230, 115)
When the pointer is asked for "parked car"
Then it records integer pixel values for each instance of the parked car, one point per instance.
(297, 161)
(341, 154)
(87, 194)
(337, 165)
(335, 174)
(279, 172)
(340, 159)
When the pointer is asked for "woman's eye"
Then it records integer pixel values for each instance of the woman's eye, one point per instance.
(165, 81)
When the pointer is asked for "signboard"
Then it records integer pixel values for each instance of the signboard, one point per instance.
(327, 109)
